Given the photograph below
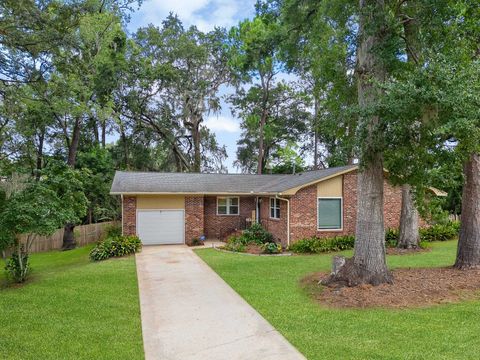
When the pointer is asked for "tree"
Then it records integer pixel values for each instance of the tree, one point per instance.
(97, 170)
(273, 112)
(432, 108)
(284, 121)
(409, 236)
(36, 210)
(63, 66)
(287, 161)
(368, 264)
(254, 55)
(178, 75)
(68, 186)
(320, 47)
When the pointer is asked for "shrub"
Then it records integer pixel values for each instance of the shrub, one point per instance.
(113, 230)
(235, 243)
(256, 234)
(18, 265)
(440, 232)
(271, 248)
(391, 237)
(101, 251)
(316, 245)
(124, 245)
(115, 247)
(196, 242)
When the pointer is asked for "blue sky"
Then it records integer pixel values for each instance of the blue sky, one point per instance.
(205, 14)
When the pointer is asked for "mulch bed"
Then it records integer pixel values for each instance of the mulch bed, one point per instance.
(252, 250)
(397, 251)
(412, 288)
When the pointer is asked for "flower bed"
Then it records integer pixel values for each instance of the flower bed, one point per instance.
(254, 240)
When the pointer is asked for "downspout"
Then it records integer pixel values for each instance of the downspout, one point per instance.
(121, 197)
(288, 216)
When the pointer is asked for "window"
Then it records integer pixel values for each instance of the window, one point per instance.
(275, 208)
(227, 206)
(330, 213)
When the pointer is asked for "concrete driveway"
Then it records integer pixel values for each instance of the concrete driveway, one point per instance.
(189, 312)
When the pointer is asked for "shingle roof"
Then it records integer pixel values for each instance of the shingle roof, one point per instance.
(157, 182)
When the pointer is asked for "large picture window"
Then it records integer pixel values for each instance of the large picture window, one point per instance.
(330, 213)
(227, 205)
(274, 208)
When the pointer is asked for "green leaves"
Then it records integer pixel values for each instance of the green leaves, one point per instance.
(34, 210)
(41, 207)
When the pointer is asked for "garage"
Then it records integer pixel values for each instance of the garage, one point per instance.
(158, 227)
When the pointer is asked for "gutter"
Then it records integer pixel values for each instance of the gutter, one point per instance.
(288, 216)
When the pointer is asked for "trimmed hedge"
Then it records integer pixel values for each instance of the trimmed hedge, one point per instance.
(116, 246)
(316, 245)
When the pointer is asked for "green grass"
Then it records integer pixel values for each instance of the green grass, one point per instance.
(72, 308)
(271, 285)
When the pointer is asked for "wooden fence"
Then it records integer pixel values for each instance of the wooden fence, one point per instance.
(84, 234)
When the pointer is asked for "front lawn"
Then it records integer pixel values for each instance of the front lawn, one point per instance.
(72, 308)
(271, 285)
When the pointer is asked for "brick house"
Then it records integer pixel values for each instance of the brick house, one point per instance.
(170, 208)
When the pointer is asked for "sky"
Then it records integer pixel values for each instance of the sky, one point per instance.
(205, 14)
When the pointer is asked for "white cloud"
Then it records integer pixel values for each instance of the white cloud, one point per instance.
(222, 124)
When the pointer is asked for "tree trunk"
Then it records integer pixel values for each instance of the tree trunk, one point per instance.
(468, 251)
(123, 136)
(368, 265)
(261, 145)
(408, 237)
(41, 139)
(197, 152)
(68, 234)
(94, 126)
(104, 133)
(73, 148)
(315, 136)
(69, 242)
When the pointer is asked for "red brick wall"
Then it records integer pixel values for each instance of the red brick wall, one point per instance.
(220, 226)
(303, 213)
(194, 218)
(392, 202)
(303, 209)
(129, 216)
(278, 227)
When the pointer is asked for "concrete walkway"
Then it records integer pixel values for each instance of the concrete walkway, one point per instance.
(189, 312)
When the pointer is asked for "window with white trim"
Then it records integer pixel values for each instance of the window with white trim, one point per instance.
(274, 208)
(330, 213)
(228, 205)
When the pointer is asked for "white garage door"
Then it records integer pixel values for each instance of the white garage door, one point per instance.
(161, 226)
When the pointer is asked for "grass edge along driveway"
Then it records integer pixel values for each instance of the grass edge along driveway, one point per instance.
(271, 286)
(72, 308)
